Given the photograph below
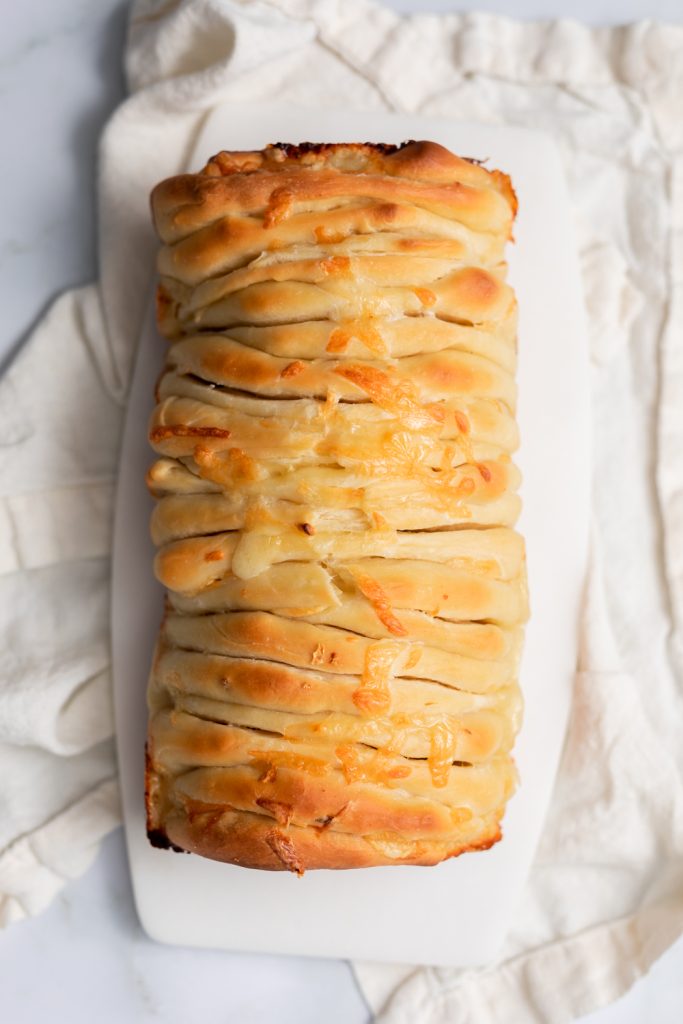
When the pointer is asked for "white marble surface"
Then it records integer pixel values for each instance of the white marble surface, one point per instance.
(86, 958)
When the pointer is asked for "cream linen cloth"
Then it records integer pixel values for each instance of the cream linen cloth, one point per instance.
(605, 896)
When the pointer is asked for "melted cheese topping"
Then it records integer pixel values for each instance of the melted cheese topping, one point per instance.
(268, 761)
(395, 396)
(365, 331)
(365, 766)
(442, 752)
(377, 597)
(373, 696)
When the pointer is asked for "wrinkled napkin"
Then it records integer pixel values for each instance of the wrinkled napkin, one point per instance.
(605, 895)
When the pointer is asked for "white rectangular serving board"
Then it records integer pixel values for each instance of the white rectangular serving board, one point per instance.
(456, 913)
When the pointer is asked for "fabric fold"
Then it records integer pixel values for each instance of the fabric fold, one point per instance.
(34, 868)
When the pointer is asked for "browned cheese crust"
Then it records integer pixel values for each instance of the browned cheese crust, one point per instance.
(335, 681)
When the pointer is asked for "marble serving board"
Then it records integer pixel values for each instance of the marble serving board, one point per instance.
(456, 913)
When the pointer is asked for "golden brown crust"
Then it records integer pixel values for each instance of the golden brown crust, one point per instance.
(420, 172)
(335, 683)
(252, 842)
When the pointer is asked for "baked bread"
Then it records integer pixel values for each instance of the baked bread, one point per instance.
(335, 681)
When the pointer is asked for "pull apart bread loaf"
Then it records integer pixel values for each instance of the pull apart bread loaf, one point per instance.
(335, 681)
